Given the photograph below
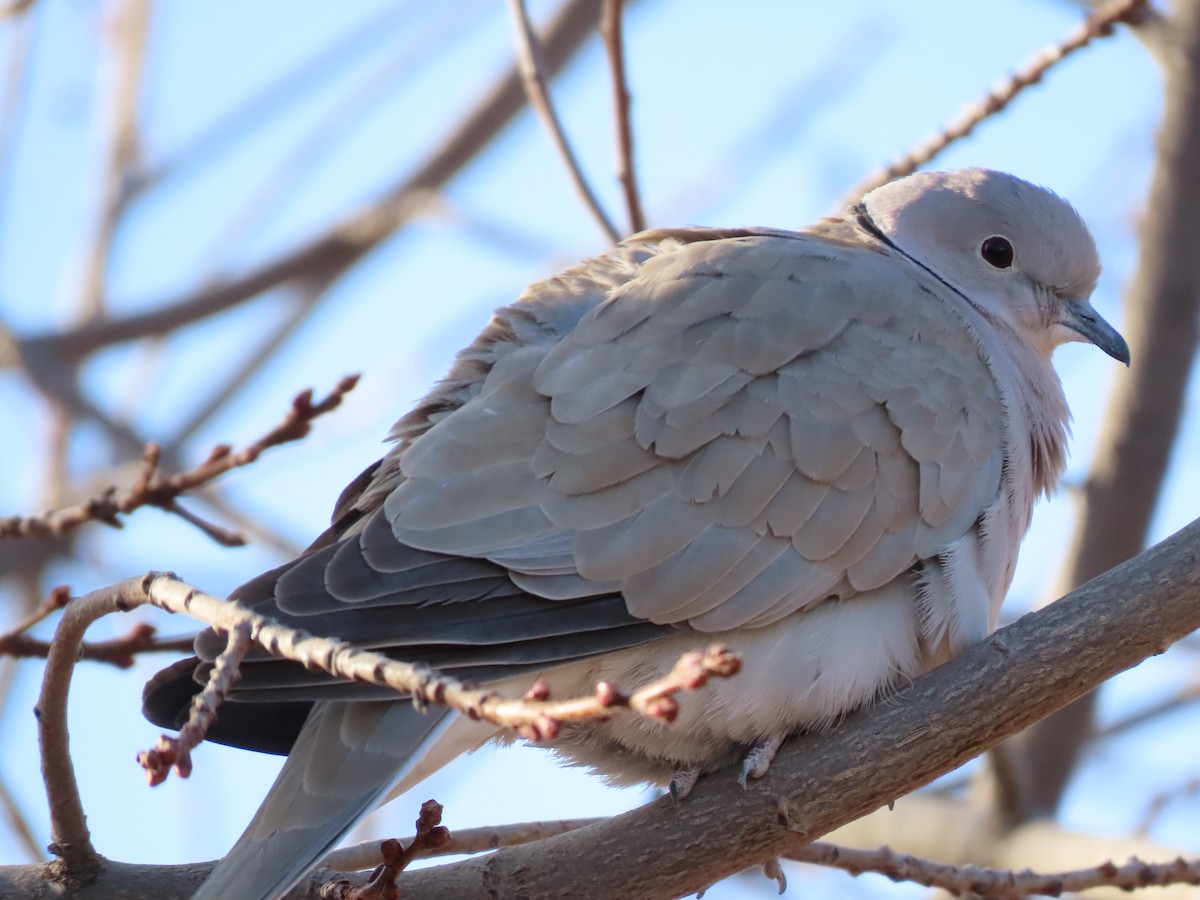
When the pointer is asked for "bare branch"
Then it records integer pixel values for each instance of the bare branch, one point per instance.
(532, 69)
(55, 600)
(431, 835)
(176, 752)
(119, 652)
(1161, 800)
(228, 383)
(536, 716)
(365, 855)
(1098, 24)
(973, 881)
(610, 27)
(70, 839)
(18, 823)
(154, 489)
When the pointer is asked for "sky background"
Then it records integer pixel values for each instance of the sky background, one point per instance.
(759, 113)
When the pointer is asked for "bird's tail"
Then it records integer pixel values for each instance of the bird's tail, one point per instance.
(347, 756)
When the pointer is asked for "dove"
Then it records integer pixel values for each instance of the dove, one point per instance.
(820, 448)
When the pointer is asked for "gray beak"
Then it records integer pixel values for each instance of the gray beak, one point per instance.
(1082, 318)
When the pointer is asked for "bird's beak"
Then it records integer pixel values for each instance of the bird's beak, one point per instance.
(1082, 318)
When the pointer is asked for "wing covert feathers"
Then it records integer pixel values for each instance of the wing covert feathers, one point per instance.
(737, 414)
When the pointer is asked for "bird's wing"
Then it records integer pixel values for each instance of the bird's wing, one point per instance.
(745, 427)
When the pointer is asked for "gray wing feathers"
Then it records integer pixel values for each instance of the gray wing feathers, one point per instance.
(737, 414)
(469, 617)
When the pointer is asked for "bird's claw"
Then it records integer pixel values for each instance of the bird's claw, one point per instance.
(682, 782)
(773, 870)
(758, 760)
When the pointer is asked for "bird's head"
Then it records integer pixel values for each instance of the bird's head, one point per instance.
(1011, 248)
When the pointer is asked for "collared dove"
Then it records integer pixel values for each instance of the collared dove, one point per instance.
(820, 448)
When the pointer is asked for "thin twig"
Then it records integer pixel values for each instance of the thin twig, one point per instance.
(18, 823)
(958, 880)
(176, 752)
(365, 855)
(154, 489)
(119, 652)
(533, 76)
(610, 27)
(430, 836)
(55, 600)
(302, 300)
(1182, 698)
(535, 716)
(1161, 800)
(997, 883)
(1098, 24)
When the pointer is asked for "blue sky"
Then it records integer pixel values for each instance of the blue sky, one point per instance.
(760, 113)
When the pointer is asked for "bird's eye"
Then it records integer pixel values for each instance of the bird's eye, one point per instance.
(997, 252)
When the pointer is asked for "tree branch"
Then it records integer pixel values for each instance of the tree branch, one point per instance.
(610, 27)
(365, 855)
(533, 77)
(997, 884)
(1098, 24)
(119, 652)
(154, 489)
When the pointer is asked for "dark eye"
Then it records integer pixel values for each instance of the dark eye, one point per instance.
(997, 252)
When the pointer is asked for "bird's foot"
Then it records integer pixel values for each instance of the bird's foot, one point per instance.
(682, 782)
(758, 760)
